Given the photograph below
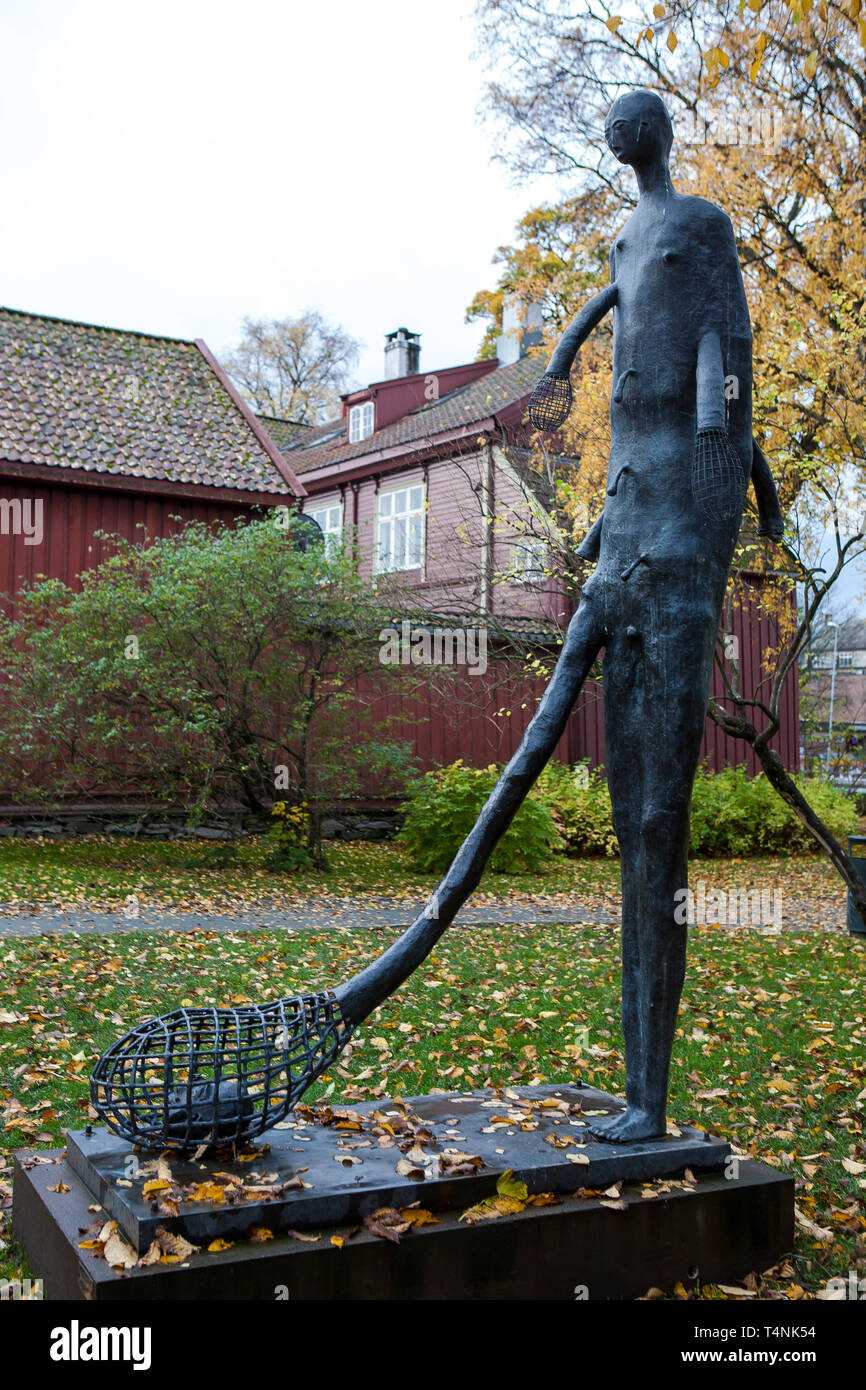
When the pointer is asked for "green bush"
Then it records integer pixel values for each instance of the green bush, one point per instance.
(579, 799)
(443, 807)
(569, 808)
(733, 814)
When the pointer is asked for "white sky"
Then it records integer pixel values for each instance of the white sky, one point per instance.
(174, 167)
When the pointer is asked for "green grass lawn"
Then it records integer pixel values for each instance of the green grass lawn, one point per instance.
(770, 1051)
(220, 876)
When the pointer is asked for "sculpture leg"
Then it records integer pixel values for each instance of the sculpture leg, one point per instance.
(366, 991)
(656, 683)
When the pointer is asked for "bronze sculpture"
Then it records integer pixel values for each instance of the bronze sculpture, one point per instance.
(681, 456)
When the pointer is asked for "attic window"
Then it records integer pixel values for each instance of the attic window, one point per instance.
(360, 422)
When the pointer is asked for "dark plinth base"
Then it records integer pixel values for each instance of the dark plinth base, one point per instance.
(718, 1229)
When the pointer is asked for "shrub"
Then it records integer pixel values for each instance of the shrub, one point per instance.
(569, 808)
(443, 807)
(579, 799)
(733, 814)
(288, 834)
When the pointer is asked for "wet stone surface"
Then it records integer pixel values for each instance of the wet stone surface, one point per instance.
(333, 1164)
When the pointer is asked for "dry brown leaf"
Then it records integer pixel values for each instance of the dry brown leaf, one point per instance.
(176, 1246)
(118, 1253)
(419, 1216)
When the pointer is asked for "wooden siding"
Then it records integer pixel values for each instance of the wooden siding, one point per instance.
(72, 515)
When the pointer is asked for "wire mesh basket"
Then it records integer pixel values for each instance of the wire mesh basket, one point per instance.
(550, 402)
(216, 1076)
(718, 482)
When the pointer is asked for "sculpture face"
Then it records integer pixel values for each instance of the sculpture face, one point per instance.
(623, 136)
(637, 129)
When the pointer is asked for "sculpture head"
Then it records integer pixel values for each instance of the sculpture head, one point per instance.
(638, 129)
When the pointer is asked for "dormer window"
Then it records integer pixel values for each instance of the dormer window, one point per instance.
(360, 422)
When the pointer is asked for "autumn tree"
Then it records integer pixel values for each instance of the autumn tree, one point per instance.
(293, 369)
(767, 102)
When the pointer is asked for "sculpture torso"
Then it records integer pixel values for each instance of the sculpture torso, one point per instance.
(677, 275)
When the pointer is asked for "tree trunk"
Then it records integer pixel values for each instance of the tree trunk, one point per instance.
(782, 782)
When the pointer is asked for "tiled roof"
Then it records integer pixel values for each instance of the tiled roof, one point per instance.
(463, 407)
(104, 400)
(284, 433)
(851, 637)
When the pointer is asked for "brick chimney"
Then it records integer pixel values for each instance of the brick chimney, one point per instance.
(402, 353)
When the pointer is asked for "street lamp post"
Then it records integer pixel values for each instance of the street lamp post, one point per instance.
(835, 627)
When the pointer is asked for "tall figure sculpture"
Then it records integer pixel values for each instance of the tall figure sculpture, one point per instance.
(681, 456)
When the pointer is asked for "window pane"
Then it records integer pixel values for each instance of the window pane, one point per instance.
(416, 495)
(385, 501)
(415, 538)
(400, 543)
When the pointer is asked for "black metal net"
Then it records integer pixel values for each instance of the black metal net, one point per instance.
(216, 1076)
(550, 402)
(718, 483)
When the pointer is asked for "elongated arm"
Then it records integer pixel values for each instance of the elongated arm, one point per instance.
(358, 997)
(579, 330)
(710, 391)
(771, 521)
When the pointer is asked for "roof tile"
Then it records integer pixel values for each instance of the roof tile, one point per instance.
(482, 398)
(104, 400)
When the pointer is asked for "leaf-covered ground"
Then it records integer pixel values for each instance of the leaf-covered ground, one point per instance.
(206, 876)
(769, 1053)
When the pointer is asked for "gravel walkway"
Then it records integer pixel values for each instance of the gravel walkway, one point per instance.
(799, 914)
(315, 916)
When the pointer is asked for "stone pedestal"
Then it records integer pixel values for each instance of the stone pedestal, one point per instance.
(707, 1220)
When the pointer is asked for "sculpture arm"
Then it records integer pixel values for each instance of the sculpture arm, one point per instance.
(579, 330)
(710, 395)
(362, 994)
(591, 544)
(771, 521)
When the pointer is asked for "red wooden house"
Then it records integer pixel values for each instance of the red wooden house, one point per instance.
(127, 433)
(423, 470)
(103, 430)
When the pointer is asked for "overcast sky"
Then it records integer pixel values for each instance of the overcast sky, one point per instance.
(172, 167)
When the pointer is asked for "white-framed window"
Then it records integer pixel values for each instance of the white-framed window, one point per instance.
(330, 518)
(360, 421)
(846, 660)
(528, 560)
(400, 529)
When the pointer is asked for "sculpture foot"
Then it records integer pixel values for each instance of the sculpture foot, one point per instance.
(627, 1126)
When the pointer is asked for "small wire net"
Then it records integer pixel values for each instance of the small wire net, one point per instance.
(216, 1076)
(718, 484)
(550, 402)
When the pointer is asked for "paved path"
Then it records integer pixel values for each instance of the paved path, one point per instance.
(316, 915)
(800, 914)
